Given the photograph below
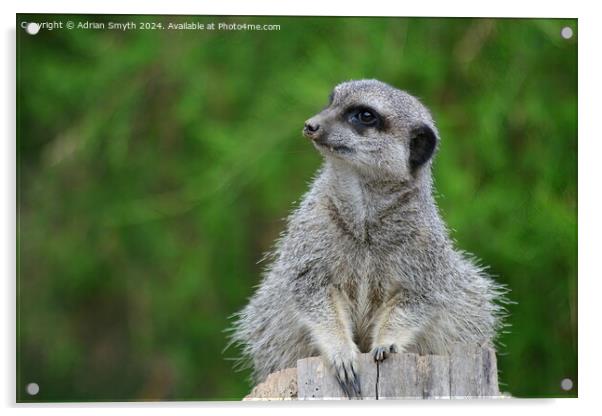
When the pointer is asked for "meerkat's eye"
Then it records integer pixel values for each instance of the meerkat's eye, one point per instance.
(364, 117)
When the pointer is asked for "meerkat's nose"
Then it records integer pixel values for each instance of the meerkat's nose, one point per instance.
(310, 129)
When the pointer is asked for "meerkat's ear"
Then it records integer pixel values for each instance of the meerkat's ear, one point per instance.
(423, 141)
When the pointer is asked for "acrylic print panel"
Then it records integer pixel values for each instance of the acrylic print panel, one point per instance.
(158, 157)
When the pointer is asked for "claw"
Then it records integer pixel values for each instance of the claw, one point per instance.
(349, 381)
(344, 387)
(381, 352)
(356, 387)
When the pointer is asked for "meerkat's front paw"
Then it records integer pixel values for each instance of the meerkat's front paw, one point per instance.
(380, 352)
(344, 367)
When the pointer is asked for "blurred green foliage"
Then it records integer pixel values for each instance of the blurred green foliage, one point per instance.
(155, 168)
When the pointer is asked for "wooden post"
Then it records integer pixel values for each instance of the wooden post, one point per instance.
(470, 371)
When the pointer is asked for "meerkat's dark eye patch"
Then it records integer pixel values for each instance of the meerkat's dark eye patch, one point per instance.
(423, 141)
(364, 117)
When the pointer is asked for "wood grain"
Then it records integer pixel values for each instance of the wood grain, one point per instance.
(469, 371)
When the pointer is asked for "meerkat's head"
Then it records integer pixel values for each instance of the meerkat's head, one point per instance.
(376, 128)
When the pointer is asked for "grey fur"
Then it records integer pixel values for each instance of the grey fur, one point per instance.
(366, 263)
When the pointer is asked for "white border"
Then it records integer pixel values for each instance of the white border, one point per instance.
(590, 152)
(508, 8)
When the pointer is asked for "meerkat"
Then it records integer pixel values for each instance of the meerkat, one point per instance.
(366, 263)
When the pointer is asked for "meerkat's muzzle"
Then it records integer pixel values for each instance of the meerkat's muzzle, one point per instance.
(312, 129)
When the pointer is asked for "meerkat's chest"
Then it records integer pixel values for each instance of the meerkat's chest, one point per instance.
(364, 285)
(363, 277)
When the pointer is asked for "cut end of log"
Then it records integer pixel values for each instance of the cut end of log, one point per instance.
(470, 371)
(281, 385)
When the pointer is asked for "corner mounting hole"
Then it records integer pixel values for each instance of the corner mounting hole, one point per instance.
(32, 389)
(32, 28)
(566, 32)
(566, 384)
